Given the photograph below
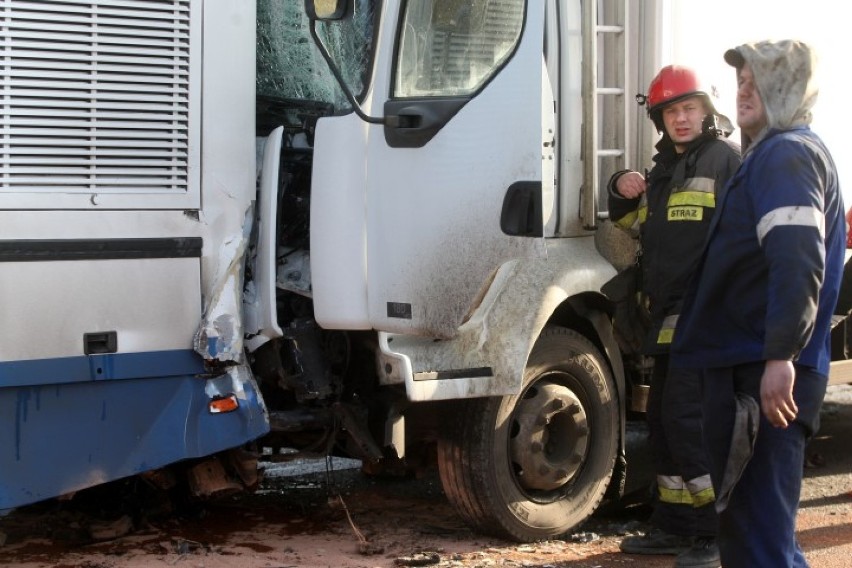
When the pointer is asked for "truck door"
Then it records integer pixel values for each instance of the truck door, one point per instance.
(412, 216)
(454, 180)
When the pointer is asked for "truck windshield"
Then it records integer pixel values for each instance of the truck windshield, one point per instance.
(289, 65)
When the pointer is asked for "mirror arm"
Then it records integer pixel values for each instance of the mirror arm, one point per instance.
(344, 87)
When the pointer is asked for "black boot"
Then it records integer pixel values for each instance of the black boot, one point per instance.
(704, 553)
(656, 541)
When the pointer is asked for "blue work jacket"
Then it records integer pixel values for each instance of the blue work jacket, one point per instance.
(768, 279)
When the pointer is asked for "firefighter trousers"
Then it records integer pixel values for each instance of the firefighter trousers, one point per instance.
(758, 526)
(685, 497)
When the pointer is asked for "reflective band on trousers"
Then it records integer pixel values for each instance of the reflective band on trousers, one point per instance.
(667, 330)
(696, 492)
(795, 216)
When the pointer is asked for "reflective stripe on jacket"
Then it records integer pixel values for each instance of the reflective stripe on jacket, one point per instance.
(674, 215)
(770, 277)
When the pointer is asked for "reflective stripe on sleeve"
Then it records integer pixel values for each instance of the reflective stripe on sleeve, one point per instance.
(797, 216)
(628, 220)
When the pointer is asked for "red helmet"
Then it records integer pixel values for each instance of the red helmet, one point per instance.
(672, 84)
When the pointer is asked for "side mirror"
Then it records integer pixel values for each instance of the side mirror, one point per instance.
(326, 9)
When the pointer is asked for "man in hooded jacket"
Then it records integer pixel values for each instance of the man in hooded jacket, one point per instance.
(757, 316)
(673, 205)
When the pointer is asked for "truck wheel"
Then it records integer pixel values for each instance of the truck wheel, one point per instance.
(531, 466)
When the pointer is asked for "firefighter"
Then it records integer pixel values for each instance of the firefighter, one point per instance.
(673, 205)
(758, 316)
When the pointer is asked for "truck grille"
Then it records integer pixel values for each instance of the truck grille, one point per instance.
(95, 96)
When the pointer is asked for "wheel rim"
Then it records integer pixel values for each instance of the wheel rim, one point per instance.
(550, 435)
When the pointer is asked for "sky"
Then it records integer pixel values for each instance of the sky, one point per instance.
(703, 29)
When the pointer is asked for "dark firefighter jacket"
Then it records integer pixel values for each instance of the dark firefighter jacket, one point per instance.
(674, 215)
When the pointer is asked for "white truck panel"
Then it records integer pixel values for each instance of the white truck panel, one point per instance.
(338, 225)
(55, 303)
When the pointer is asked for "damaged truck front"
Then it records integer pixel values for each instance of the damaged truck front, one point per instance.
(425, 285)
(355, 227)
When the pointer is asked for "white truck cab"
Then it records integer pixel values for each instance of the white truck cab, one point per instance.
(453, 216)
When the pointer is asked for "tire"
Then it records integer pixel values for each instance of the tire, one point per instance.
(535, 465)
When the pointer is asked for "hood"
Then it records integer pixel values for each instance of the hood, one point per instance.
(784, 72)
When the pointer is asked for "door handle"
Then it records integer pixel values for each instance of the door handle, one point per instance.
(100, 342)
(407, 118)
(413, 123)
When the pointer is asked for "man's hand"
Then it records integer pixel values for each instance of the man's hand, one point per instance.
(630, 185)
(776, 393)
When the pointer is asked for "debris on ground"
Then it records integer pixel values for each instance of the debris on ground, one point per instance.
(585, 537)
(419, 559)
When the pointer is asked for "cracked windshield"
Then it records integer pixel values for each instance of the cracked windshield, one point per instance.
(289, 65)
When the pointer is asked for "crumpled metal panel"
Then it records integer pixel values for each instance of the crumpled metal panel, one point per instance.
(220, 335)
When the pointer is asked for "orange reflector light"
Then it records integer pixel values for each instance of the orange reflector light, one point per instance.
(224, 404)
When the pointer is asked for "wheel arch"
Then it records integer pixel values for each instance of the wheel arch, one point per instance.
(488, 355)
(590, 314)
